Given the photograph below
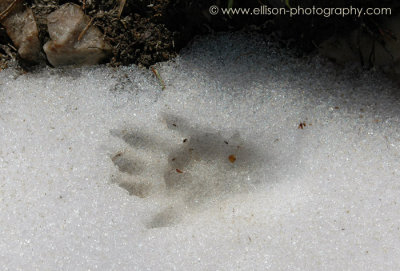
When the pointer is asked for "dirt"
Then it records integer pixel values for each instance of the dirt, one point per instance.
(145, 32)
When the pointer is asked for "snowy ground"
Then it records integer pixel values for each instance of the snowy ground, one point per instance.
(100, 169)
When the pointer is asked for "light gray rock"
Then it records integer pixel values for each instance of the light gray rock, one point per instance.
(21, 27)
(74, 40)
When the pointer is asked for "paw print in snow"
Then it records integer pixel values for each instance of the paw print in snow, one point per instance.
(190, 166)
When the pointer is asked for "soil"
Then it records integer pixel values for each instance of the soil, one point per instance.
(145, 32)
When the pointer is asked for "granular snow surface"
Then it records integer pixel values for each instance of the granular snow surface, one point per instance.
(250, 159)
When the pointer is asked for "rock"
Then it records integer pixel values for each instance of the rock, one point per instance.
(360, 46)
(74, 40)
(21, 27)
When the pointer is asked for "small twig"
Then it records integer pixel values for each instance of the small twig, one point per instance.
(12, 47)
(7, 48)
(315, 45)
(159, 78)
(85, 29)
(121, 7)
(7, 11)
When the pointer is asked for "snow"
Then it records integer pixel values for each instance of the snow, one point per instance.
(89, 161)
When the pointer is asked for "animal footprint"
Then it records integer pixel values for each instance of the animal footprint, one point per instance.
(189, 166)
